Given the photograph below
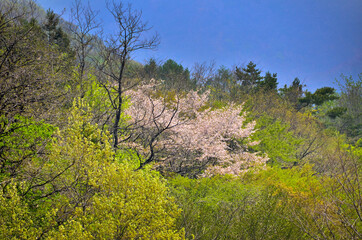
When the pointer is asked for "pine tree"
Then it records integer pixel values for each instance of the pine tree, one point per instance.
(249, 77)
(270, 82)
(293, 92)
(56, 35)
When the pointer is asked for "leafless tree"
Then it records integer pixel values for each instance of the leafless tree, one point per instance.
(85, 28)
(202, 72)
(116, 53)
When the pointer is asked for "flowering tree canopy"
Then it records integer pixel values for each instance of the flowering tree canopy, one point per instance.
(182, 135)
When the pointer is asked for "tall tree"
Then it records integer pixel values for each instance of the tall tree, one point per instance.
(249, 77)
(269, 83)
(175, 76)
(84, 29)
(55, 33)
(293, 93)
(151, 69)
(116, 53)
(203, 72)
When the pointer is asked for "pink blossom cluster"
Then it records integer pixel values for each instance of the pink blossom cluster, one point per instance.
(192, 136)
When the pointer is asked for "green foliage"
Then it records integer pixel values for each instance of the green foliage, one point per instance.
(223, 86)
(174, 76)
(277, 141)
(96, 97)
(151, 69)
(16, 218)
(336, 112)
(350, 99)
(324, 94)
(60, 178)
(82, 192)
(132, 71)
(293, 93)
(299, 138)
(317, 98)
(295, 203)
(269, 83)
(217, 104)
(321, 206)
(55, 34)
(224, 207)
(249, 77)
(123, 203)
(14, 215)
(21, 140)
(32, 75)
(295, 182)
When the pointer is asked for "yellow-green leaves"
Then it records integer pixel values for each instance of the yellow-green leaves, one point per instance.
(79, 191)
(105, 199)
(131, 205)
(15, 217)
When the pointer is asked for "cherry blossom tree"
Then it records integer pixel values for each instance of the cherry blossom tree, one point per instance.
(180, 134)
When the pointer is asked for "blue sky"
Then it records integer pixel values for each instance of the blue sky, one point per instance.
(315, 40)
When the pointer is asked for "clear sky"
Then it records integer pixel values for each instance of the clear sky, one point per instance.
(315, 40)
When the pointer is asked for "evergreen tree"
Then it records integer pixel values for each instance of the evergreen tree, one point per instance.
(293, 93)
(175, 76)
(56, 35)
(270, 82)
(151, 69)
(248, 77)
(320, 96)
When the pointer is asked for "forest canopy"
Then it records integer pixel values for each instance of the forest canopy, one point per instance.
(95, 145)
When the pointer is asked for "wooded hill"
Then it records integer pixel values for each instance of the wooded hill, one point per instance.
(97, 146)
